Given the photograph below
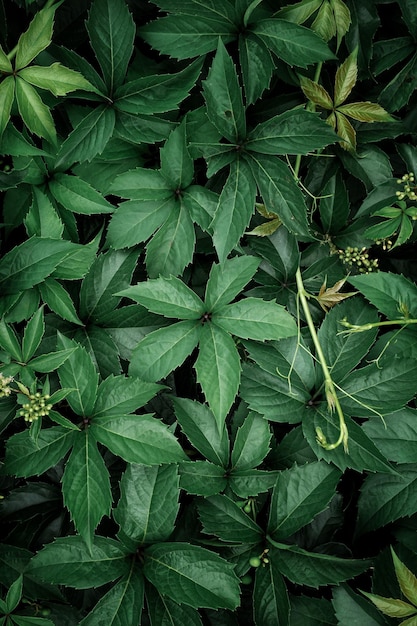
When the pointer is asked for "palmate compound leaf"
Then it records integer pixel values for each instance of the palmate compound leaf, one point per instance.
(192, 575)
(65, 561)
(300, 493)
(226, 280)
(86, 486)
(392, 294)
(148, 504)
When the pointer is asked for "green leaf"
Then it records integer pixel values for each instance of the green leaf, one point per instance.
(307, 611)
(280, 193)
(163, 350)
(365, 21)
(334, 205)
(385, 498)
(176, 163)
(36, 38)
(26, 457)
(9, 341)
(316, 93)
(399, 90)
(88, 138)
(257, 66)
(366, 112)
(235, 208)
(370, 164)
(30, 263)
(32, 335)
(56, 78)
(218, 370)
(253, 318)
(109, 272)
(135, 221)
(396, 436)
(292, 43)
(119, 395)
(344, 351)
(227, 280)
(141, 128)
(112, 32)
(163, 611)
(270, 597)
(223, 97)
(141, 184)
(350, 608)
(391, 606)
(42, 220)
(300, 493)
(192, 575)
(7, 89)
(157, 93)
(171, 248)
(148, 504)
(202, 478)
(122, 604)
(78, 372)
(373, 390)
(199, 425)
(14, 594)
(101, 348)
(86, 486)
(300, 11)
(78, 196)
(137, 439)
(51, 361)
(222, 517)
(251, 482)
(392, 294)
(65, 561)
(185, 36)
(57, 298)
(296, 131)
(314, 569)
(5, 64)
(406, 579)
(251, 443)
(346, 76)
(167, 296)
(35, 114)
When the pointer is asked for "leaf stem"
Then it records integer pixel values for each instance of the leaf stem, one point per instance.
(330, 389)
(354, 328)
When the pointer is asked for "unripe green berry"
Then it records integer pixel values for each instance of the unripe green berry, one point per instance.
(247, 508)
(246, 580)
(255, 561)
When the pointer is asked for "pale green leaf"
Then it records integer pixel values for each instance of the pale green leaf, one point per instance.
(365, 112)
(346, 76)
(36, 38)
(7, 88)
(391, 606)
(406, 579)
(35, 114)
(56, 78)
(78, 196)
(5, 64)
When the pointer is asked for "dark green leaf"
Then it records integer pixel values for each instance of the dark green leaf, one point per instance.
(36, 38)
(78, 196)
(7, 89)
(192, 575)
(306, 611)
(176, 164)
(218, 370)
(228, 279)
(251, 482)
(65, 561)
(14, 595)
(294, 44)
(202, 478)
(257, 66)
(199, 425)
(222, 517)
(392, 294)
(86, 486)
(251, 443)
(201, 204)
(396, 436)
(271, 605)
(296, 131)
(9, 341)
(163, 611)
(121, 605)
(235, 208)
(137, 439)
(112, 32)
(119, 395)
(26, 457)
(364, 23)
(163, 350)
(78, 372)
(148, 504)
(351, 608)
(223, 97)
(334, 209)
(134, 221)
(300, 493)
(33, 334)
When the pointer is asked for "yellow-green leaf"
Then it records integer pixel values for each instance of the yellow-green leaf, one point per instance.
(324, 24)
(342, 19)
(266, 229)
(346, 76)
(33, 111)
(391, 606)
(5, 65)
(346, 131)
(56, 78)
(366, 112)
(412, 621)
(37, 37)
(316, 93)
(6, 101)
(406, 579)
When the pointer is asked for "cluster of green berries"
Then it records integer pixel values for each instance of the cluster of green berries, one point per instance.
(257, 561)
(36, 407)
(358, 258)
(409, 188)
(385, 243)
(5, 381)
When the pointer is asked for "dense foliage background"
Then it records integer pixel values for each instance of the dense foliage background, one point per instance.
(208, 306)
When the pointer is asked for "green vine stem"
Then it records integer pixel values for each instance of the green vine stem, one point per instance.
(329, 386)
(354, 328)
